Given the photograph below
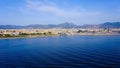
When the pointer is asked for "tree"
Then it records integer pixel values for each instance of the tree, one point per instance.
(49, 33)
(79, 31)
(8, 35)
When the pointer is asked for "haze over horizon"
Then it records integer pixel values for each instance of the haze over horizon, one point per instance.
(25, 12)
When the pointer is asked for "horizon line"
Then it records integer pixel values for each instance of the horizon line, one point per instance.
(56, 24)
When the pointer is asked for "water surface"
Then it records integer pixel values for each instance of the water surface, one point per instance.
(61, 51)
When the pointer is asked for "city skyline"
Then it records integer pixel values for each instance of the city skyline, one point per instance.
(25, 12)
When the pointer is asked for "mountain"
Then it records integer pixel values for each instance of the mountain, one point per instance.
(10, 27)
(103, 25)
(110, 25)
(67, 25)
(90, 26)
(63, 25)
(40, 26)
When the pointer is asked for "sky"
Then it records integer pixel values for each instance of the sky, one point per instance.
(80, 12)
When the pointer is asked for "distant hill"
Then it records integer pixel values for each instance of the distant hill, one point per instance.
(67, 25)
(10, 27)
(110, 25)
(63, 25)
(104, 25)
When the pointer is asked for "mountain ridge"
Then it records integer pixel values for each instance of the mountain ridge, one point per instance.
(63, 25)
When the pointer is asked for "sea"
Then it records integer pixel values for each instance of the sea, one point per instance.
(61, 52)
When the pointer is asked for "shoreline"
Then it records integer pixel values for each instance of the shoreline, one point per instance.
(29, 33)
(57, 35)
(27, 37)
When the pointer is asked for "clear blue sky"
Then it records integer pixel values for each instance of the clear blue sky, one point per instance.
(25, 12)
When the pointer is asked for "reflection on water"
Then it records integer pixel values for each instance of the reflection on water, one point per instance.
(62, 51)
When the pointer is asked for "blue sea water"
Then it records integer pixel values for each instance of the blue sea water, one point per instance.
(61, 52)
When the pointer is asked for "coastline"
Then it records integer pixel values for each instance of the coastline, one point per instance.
(61, 35)
(30, 33)
(27, 37)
